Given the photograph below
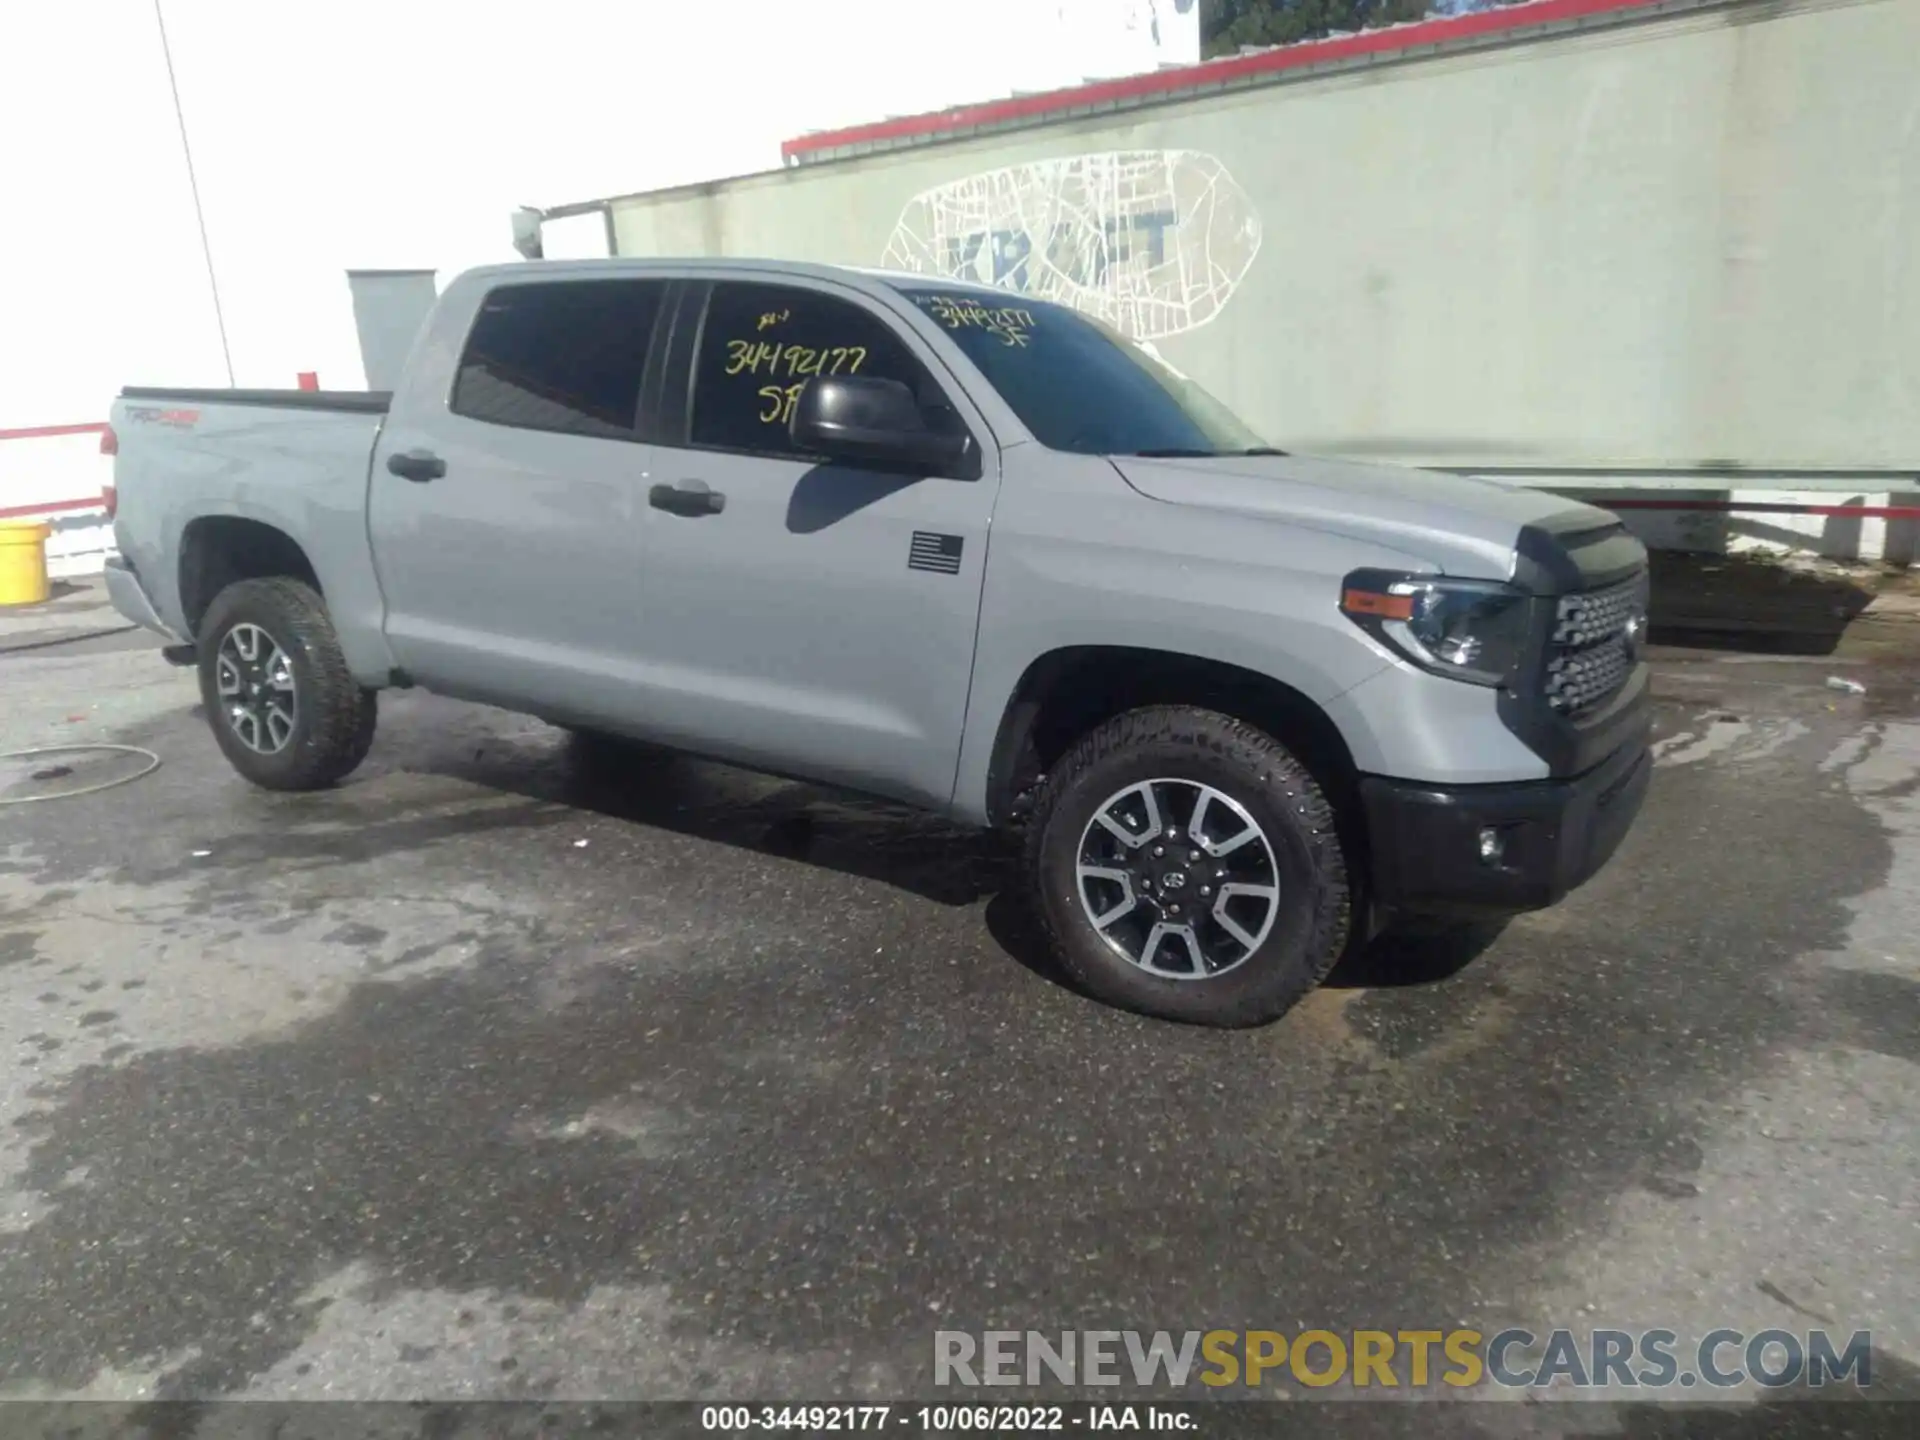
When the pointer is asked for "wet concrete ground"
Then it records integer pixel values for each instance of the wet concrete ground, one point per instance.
(508, 1071)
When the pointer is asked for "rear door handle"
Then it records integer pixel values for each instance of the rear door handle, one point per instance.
(689, 497)
(418, 466)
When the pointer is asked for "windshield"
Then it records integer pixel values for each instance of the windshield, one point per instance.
(1080, 385)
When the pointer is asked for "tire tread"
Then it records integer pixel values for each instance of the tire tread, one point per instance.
(1289, 785)
(342, 715)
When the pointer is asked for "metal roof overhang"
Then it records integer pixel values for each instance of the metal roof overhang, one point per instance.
(1422, 39)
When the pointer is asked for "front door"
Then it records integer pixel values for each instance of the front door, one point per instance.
(816, 618)
(507, 526)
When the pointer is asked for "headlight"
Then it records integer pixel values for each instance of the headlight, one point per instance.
(1473, 630)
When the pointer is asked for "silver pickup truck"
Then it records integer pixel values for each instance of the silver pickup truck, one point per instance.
(931, 542)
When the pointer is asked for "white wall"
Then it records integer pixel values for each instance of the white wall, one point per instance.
(1684, 245)
(357, 134)
(1688, 243)
(60, 479)
(363, 135)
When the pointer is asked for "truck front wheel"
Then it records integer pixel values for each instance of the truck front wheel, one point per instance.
(284, 708)
(1186, 866)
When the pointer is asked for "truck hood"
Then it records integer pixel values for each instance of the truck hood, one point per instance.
(1461, 526)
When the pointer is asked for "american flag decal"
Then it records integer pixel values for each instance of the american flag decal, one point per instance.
(938, 553)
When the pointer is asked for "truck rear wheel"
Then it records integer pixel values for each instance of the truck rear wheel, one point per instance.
(284, 708)
(1186, 866)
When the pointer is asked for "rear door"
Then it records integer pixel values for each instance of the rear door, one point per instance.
(816, 618)
(506, 516)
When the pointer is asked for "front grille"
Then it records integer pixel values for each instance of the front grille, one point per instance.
(1596, 643)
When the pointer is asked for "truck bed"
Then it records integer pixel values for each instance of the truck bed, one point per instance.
(288, 461)
(366, 402)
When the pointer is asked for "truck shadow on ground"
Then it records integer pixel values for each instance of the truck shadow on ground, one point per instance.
(1393, 959)
(767, 1129)
(784, 1117)
(891, 844)
(790, 820)
(711, 801)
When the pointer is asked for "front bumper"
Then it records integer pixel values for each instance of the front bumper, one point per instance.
(130, 598)
(1553, 836)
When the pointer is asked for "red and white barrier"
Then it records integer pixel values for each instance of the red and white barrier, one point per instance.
(56, 473)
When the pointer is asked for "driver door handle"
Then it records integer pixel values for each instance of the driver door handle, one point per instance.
(688, 497)
(418, 466)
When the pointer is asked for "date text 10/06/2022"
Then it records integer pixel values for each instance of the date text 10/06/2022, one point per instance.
(940, 1419)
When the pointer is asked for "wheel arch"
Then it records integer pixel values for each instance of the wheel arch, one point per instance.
(1066, 692)
(218, 550)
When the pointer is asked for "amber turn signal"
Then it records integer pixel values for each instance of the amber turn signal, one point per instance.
(1371, 602)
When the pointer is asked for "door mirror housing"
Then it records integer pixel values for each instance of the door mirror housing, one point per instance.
(865, 418)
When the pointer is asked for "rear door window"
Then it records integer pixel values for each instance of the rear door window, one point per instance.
(564, 356)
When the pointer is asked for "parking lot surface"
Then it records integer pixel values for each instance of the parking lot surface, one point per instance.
(506, 1070)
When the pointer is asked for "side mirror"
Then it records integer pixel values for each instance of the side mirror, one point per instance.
(866, 418)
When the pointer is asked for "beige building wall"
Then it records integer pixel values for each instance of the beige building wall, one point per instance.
(1692, 241)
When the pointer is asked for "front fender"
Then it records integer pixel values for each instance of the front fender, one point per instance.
(1078, 558)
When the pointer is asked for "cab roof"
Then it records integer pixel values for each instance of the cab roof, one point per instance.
(864, 276)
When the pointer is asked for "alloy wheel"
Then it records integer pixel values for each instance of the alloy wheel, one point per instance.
(1178, 879)
(258, 695)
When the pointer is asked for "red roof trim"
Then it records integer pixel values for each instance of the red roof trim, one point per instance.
(1169, 84)
(46, 432)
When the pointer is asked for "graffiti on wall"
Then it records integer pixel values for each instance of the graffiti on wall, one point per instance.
(1154, 242)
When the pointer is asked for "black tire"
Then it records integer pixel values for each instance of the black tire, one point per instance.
(334, 716)
(1308, 931)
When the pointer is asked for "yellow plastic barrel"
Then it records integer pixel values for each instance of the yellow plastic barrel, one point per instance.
(23, 562)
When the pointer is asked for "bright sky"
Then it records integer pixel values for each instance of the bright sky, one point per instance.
(403, 133)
